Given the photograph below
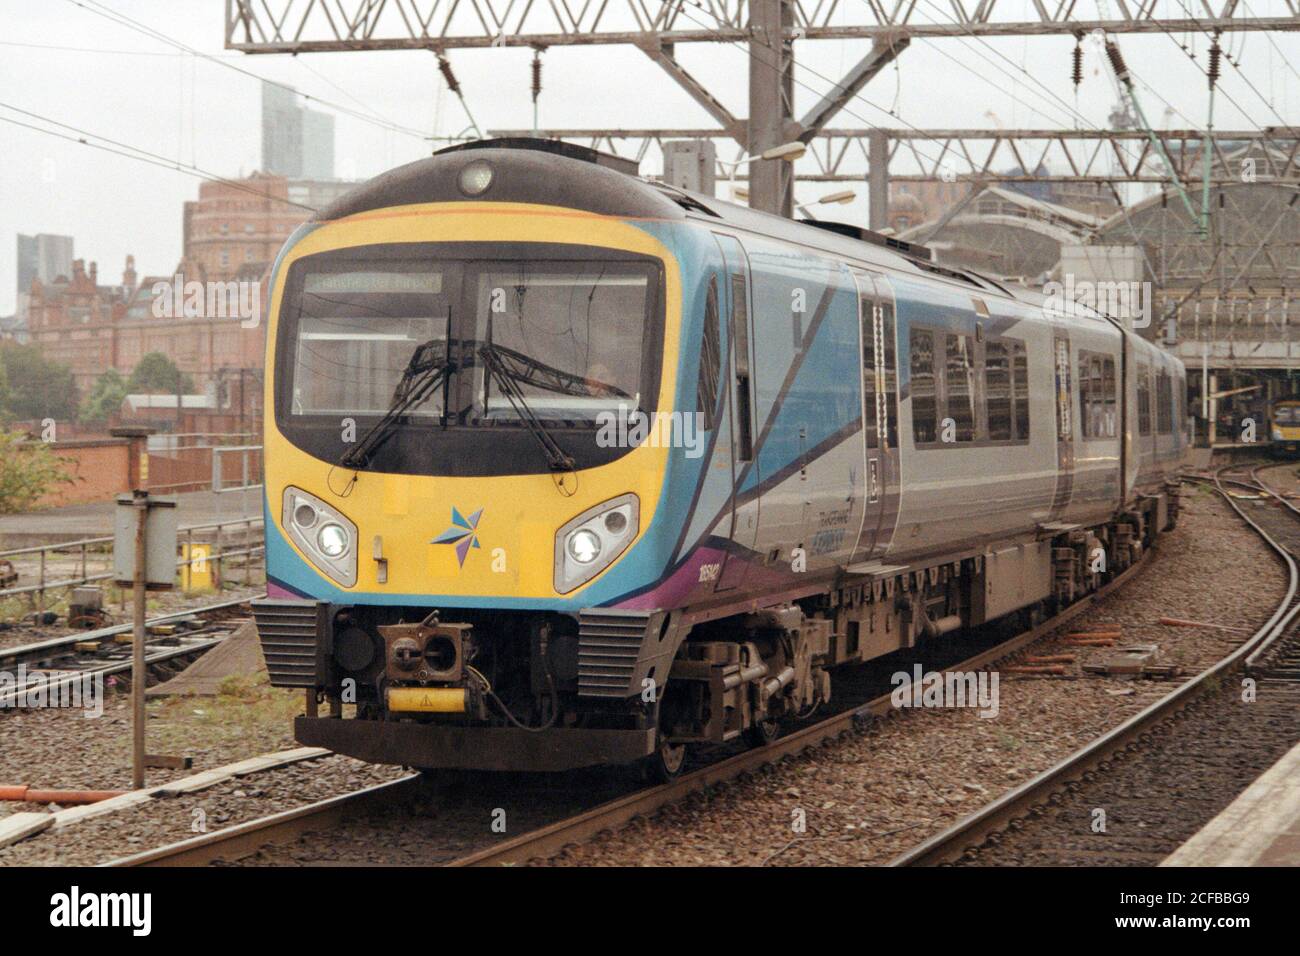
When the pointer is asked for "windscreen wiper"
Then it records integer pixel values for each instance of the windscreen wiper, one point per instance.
(426, 370)
(503, 365)
(529, 371)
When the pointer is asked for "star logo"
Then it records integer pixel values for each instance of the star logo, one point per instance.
(463, 533)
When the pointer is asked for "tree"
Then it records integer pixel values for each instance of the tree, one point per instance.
(157, 373)
(38, 388)
(28, 470)
(105, 398)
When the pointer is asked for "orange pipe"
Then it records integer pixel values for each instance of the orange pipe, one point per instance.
(27, 794)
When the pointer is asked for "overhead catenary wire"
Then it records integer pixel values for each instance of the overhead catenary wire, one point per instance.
(115, 16)
(135, 152)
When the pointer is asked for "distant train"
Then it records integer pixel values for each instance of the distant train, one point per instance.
(850, 449)
(1284, 426)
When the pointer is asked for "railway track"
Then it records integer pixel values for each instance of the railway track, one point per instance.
(62, 661)
(237, 842)
(1027, 825)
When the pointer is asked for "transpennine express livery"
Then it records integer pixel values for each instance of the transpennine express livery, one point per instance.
(565, 467)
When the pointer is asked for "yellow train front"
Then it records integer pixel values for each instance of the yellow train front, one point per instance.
(1285, 427)
(449, 497)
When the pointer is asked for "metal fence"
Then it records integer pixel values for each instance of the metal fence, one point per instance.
(70, 564)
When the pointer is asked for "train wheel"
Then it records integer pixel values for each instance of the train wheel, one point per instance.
(763, 732)
(666, 763)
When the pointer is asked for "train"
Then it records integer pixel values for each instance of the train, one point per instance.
(566, 467)
(1284, 427)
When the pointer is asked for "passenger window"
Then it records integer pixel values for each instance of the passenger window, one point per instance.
(710, 358)
(1097, 400)
(924, 405)
(1020, 366)
(997, 390)
(1144, 399)
(960, 382)
(1109, 408)
(1006, 390)
(1164, 401)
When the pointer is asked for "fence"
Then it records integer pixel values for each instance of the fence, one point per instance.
(193, 461)
(70, 562)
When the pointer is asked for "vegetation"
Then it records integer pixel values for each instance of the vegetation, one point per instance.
(105, 398)
(36, 388)
(156, 373)
(28, 471)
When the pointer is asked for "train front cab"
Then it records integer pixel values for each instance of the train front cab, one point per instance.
(441, 518)
(1284, 428)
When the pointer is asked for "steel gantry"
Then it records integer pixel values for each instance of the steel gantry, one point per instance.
(768, 29)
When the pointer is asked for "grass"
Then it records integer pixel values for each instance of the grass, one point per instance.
(246, 712)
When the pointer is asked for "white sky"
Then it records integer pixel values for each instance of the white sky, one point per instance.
(121, 84)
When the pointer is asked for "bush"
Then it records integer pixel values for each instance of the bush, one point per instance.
(28, 471)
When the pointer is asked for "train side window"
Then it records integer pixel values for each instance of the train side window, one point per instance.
(1020, 388)
(1098, 404)
(925, 407)
(1164, 403)
(1144, 399)
(710, 358)
(960, 381)
(1006, 389)
(740, 336)
(1109, 408)
(997, 389)
(1089, 392)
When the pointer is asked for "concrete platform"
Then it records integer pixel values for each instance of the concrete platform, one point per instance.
(72, 522)
(1260, 828)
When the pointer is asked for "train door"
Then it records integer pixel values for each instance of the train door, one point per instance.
(1064, 424)
(879, 369)
(740, 395)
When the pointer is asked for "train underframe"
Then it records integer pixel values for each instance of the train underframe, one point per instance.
(513, 690)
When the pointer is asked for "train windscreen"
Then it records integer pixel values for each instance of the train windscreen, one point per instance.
(564, 341)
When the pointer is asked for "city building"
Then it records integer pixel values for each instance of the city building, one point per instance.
(296, 142)
(42, 256)
(237, 223)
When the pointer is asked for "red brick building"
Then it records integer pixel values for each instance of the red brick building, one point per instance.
(237, 225)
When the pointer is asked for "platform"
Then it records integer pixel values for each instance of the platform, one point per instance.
(1260, 828)
(95, 519)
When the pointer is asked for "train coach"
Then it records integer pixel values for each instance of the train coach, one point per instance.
(565, 467)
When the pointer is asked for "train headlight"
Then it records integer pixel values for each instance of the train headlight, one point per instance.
(584, 546)
(475, 178)
(1277, 434)
(323, 533)
(591, 542)
(333, 540)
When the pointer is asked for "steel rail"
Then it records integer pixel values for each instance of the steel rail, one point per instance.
(952, 843)
(549, 840)
(246, 838)
(41, 649)
(239, 841)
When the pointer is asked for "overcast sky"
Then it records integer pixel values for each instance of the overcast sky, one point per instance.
(63, 61)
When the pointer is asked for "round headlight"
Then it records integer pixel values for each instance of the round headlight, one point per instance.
(615, 522)
(333, 540)
(304, 515)
(475, 178)
(584, 546)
